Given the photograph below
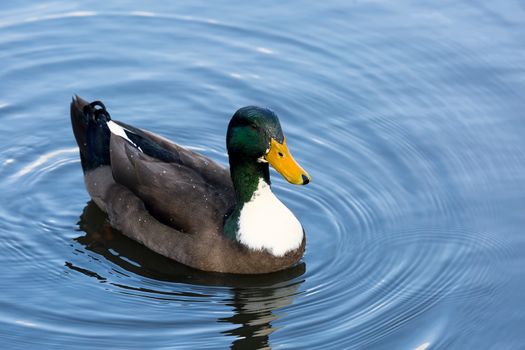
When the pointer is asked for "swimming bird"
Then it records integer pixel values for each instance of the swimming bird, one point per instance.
(184, 205)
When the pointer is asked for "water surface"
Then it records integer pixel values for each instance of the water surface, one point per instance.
(408, 116)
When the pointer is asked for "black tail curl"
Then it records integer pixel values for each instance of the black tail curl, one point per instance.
(95, 110)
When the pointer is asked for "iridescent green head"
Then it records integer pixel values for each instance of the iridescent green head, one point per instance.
(255, 135)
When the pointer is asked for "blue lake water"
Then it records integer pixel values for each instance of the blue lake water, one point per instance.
(408, 115)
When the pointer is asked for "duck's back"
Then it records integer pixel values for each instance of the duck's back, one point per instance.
(190, 192)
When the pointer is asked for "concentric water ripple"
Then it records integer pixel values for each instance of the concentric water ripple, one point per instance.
(411, 129)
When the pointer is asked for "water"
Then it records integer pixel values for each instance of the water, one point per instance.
(408, 116)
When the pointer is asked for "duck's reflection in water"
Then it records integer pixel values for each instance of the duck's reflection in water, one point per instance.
(253, 298)
(254, 311)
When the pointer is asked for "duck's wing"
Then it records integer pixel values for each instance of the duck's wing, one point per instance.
(179, 187)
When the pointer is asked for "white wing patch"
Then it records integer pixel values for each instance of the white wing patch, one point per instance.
(120, 131)
(266, 223)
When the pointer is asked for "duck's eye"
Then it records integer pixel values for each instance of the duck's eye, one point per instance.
(254, 126)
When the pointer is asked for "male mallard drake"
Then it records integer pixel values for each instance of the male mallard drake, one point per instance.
(183, 205)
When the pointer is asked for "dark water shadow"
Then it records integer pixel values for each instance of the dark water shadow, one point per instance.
(254, 298)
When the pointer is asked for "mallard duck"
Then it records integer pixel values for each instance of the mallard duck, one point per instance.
(184, 205)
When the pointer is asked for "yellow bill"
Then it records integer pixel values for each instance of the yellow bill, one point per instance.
(281, 160)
